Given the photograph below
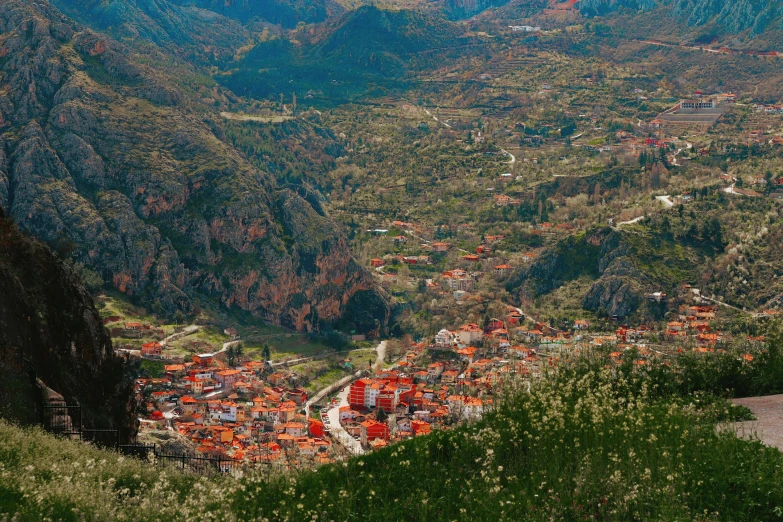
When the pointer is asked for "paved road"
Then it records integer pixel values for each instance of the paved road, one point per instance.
(768, 426)
(324, 392)
(381, 349)
(631, 222)
(512, 158)
(188, 330)
(436, 119)
(666, 200)
(335, 428)
(338, 432)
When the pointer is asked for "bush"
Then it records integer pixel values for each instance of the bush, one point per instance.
(589, 443)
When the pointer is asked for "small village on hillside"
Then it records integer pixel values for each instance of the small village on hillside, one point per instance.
(254, 412)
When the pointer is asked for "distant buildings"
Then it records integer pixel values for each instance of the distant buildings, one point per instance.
(697, 104)
(524, 29)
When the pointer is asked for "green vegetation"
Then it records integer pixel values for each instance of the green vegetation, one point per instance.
(151, 368)
(588, 442)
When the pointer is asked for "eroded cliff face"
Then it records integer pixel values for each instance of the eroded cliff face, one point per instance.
(732, 16)
(459, 9)
(107, 155)
(617, 262)
(47, 313)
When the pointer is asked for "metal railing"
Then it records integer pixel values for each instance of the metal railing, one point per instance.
(65, 420)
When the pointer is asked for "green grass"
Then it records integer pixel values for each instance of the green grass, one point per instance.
(586, 444)
(153, 368)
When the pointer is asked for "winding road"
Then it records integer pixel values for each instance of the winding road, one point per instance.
(335, 428)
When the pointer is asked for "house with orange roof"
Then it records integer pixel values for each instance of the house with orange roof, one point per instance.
(449, 376)
(227, 378)
(420, 427)
(372, 430)
(467, 354)
(153, 349)
(503, 270)
(435, 370)
(470, 334)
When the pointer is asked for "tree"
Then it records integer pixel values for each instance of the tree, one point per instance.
(179, 318)
(231, 356)
(381, 415)
(266, 352)
(238, 351)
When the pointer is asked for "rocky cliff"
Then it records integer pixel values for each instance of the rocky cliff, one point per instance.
(731, 16)
(107, 154)
(286, 13)
(459, 9)
(623, 266)
(46, 312)
(194, 32)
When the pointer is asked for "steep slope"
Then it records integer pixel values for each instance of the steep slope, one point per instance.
(186, 28)
(286, 13)
(365, 47)
(46, 312)
(459, 9)
(107, 154)
(733, 17)
(623, 266)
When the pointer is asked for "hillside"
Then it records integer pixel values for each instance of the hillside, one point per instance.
(183, 28)
(587, 443)
(366, 51)
(47, 316)
(116, 159)
(623, 266)
(286, 13)
(713, 20)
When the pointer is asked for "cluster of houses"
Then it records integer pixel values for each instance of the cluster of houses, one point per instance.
(245, 414)
(769, 109)
(415, 398)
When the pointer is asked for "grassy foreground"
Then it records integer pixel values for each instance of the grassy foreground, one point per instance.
(588, 445)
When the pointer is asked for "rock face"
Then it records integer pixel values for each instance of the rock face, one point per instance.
(47, 313)
(616, 261)
(459, 9)
(286, 13)
(200, 32)
(602, 7)
(108, 156)
(733, 17)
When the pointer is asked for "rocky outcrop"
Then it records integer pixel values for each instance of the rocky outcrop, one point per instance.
(106, 156)
(733, 17)
(602, 7)
(286, 13)
(460, 9)
(623, 265)
(199, 33)
(47, 313)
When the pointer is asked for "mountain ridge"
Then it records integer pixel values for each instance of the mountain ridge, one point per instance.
(108, 155)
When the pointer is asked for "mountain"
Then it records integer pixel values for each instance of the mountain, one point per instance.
(286, 13)
(111, 156)
(602, 7)
(734, 17)
(164, 23)
(621, 265)
(365, 47)
(459, 9)
(48, 315)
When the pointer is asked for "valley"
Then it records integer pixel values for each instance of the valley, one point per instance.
(306, 249)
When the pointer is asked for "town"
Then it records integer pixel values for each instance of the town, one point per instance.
(254, 413)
